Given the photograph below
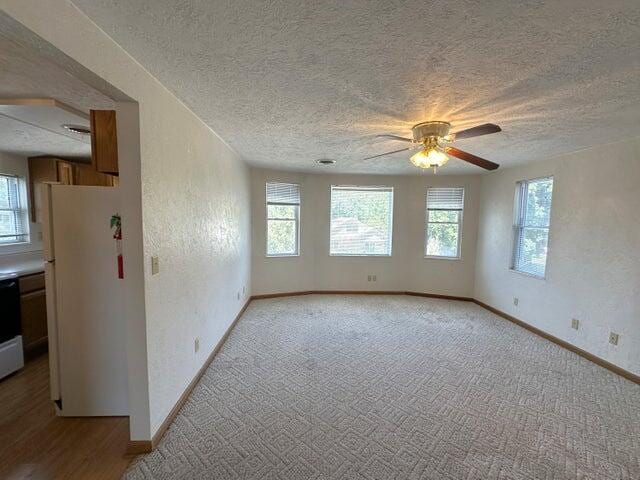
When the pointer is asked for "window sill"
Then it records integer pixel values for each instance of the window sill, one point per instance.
(359, 255)
(293, 255)
(435, 257)
(14, 244)
(530, 275)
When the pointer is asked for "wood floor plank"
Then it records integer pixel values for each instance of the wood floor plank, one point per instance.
(36, 444)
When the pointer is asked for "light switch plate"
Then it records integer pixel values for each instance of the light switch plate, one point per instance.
(155, 265)
(613, 338)
(575, 323)
(515, 301)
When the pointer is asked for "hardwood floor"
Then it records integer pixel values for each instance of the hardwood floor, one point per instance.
(36, 444)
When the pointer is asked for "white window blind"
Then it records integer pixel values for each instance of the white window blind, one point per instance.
(13, 215)
(444, 222)
(283, 219)
(531, 225)
(361, 221)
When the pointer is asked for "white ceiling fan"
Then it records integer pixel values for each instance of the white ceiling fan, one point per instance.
(434, 139)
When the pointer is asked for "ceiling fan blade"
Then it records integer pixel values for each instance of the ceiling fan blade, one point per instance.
(388, 153)
(484, 129)
(467, 157)
(395, 137)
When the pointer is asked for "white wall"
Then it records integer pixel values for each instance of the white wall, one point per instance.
(18, 165)
(406, 269)
(593, 265)
(194, 205)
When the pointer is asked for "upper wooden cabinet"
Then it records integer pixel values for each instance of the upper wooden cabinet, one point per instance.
(45, 169)
(52, 169)
(86, 175)
(104, 141)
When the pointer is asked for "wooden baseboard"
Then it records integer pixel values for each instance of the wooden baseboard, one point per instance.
(35, 349)
(437, 295)
(360, 292)
(357, 292)
(278, 295)
(583, 353)
(138, 447)
(146, 446)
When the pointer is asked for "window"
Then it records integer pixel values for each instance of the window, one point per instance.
(531, 226)
(283, 219)
(444, 222)
(13, 213)
(361, 220)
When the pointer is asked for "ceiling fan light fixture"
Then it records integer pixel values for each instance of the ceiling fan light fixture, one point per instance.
(429, 157)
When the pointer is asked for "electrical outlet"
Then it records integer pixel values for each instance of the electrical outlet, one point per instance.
(368, 278)
(613, 338)
(155, 265)
(515, 301)
(196, 345)
(375, 278)
(575, 323)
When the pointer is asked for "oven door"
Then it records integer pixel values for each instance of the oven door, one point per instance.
(10, 301)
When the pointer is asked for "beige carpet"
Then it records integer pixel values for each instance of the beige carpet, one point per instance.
(393, 387)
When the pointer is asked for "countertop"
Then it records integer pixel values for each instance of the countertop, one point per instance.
(13, 266)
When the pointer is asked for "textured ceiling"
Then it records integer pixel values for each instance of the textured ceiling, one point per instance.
(285, 83)
(27, 74)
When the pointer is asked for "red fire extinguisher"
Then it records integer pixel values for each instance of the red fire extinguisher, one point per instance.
(117, 235)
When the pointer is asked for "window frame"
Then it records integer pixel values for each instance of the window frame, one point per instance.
(22, 211)
(296, 219)
(363, 188)
(518, 228)
(459, 223)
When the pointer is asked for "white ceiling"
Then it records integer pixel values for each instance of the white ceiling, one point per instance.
(285, 83)
(31, 131)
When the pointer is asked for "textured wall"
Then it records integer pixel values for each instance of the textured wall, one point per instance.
(406, 269)
(593, 270)
(194, 205)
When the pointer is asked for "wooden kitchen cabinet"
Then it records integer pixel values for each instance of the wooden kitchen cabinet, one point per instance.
(33, 314)
(41, 169)
(65, 172)
(52, 169)
(104, 141)
(86, 175)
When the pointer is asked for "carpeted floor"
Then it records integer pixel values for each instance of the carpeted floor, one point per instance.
(393, 387)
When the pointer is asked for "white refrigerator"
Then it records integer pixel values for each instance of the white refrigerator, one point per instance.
(87, 335)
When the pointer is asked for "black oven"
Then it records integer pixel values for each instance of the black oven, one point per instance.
(9, 309)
